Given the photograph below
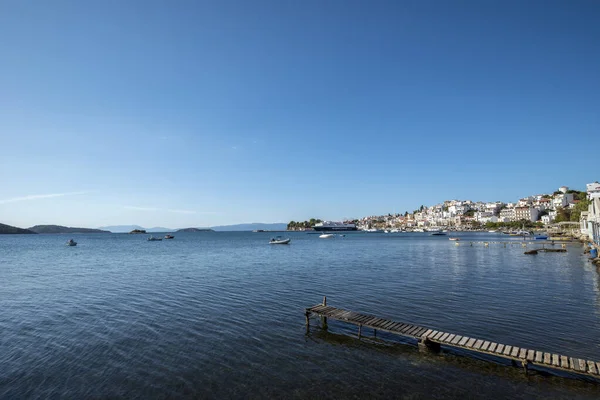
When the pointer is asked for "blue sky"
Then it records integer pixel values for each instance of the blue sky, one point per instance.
(194, 113)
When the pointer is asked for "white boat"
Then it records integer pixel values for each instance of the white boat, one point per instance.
(395, 230)
(492, 231)
(279, 240)
(71, 242)
(153, 239)
(169, 237)
(326, 236)
(454, 239)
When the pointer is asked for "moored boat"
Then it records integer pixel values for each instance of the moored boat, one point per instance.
(154, 239)
(454, 238)
(280, 240)
(326, 236)
(438, 233)
(169, 237)
(71, 242)
(334, 226)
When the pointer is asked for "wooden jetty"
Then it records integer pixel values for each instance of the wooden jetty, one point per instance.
(431, 340)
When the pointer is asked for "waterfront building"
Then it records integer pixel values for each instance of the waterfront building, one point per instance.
(508, 214)
(526, 213)
(593, 213)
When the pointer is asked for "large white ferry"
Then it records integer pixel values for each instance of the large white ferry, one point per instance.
(334, 226)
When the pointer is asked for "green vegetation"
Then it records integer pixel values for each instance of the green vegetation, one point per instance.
(297, 226)
(195, 230)
(63, 229)
(7, 229)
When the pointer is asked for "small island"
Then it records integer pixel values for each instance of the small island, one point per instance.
(11, 230)
(63, 229)
(195, 230)
(138, 231)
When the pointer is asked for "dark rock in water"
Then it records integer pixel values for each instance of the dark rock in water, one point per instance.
(531, 252)
(195, 230)
(138, 231)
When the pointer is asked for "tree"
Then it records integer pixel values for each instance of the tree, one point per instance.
(562, 214)
(579, 207)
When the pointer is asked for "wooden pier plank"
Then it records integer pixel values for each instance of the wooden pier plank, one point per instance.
(564, 362)
(450, 338)
(478, 344)
(463, 341)
(396, 326)
(555, 360)
(438, 335)
(582, 365)
(471, 342)
(500, 348)
(522, 353)
(444, 337)
(485, 345)
(530, 355)
(456, 339)
(539, 356)
(419, 331)
(592, 368)
(426, 333)
(411, 330)
(548, 358)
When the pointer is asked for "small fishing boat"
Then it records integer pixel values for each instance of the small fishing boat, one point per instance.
(153, 239)
(326, 236)
(169, 237)
(439, 233)
(71, 242)
(280, 240)
(541, 237)
(454, 238)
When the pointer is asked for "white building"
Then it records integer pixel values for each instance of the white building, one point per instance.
(526, 213)
(593, 214)
(563, 189)
(507, 215)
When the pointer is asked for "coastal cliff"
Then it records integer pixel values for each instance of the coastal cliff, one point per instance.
(63, 229)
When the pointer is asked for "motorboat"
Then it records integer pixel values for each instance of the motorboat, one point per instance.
(492, 231)
(454, 238)
(169, 237)
(71, 242)
(541, 237)
(439, 233)
(280, 240)
(154, 239)
(326, 236)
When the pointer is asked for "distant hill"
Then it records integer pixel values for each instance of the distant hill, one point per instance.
(63, 229)
(195, 230)
(7, 229)
(129, 228)
(251, 227)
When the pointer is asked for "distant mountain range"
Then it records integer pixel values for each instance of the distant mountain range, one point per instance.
(63, 229)
(129, 228)
(7, 229)
(252, 227)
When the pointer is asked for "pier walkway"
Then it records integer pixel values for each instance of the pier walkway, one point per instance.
(431, 340)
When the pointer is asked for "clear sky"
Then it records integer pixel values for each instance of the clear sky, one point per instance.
(199, 113)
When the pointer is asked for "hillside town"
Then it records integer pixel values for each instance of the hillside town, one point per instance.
(577, 209)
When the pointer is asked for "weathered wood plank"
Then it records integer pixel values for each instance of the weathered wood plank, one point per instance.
(427, 333)
(548, 358)
(396, 326)
(539, 356)
(571, 363)
(387, 325)
(363, 318)
(564, 362)
(463, 341)
(592, 368)
(471, 342)
(582, 365)
(492, 348)
(555, 360)
(456, 339)
(598, 367)
(419, 331)
(444, 337)
(500, 348)
(478, 344)
(530, 355)
(439, 335)
(485, 346)
(450, 338)
(523, 353)
(412, 331)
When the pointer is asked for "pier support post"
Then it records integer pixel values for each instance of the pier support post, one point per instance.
(524, 362)
(307, 314)
(374, 332)
(427, 346)
(359, 331)
(324, 319)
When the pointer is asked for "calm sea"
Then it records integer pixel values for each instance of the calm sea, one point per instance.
(220, 315)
